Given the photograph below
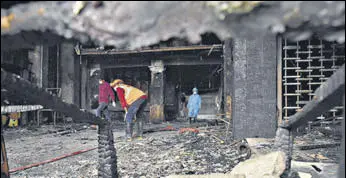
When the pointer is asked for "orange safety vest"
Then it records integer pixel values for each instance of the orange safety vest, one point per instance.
(131, 93)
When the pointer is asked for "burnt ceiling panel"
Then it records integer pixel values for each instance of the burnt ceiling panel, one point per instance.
(136, 24)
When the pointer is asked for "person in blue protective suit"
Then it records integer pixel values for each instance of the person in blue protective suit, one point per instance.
(194, 105)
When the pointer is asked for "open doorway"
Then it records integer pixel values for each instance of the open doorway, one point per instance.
(182, 79)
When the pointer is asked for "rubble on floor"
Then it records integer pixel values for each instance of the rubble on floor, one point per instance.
(316, 147)
(164, 151)
(186, 153)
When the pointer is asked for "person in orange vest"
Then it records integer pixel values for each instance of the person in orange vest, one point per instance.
(133, 100)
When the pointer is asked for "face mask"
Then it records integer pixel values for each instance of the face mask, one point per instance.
(100, 82)
(194, 92)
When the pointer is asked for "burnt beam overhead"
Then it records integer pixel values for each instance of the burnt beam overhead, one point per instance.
(203, 49)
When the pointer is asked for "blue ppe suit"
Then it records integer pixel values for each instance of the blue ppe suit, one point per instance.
(194, 105)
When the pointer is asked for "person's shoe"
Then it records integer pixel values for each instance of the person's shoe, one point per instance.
(129, 139)
(140, 138)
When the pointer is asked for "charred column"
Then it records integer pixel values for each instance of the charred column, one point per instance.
(156, 93)
(39, 58)
(84, 84)
(228, 79)
(94, 75)
(254, 112)
(69, 73)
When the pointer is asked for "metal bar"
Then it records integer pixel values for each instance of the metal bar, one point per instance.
(304, 60)
(316, 76)
(303, 70)
(285, 74)
(315, 46)
(292, 83)
(291, 58)
(291, 68)
(341, 171)
(295, 76)
(304, 52)
(304, 79)
(279, 80)
(304, 91)
(290, 47)
(292, 94)
(327, 95)
(315, 67)
(328, 70)
(322, 59)
(292, 107)
(315, 57)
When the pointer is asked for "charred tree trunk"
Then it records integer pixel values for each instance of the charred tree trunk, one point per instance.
(107, 153)
(24, 89)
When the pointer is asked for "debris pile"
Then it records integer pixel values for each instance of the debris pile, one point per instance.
(316, 147)
(185, 153)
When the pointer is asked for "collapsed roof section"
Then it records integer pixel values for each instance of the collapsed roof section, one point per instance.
(133, 25)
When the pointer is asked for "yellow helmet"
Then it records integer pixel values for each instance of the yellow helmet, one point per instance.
(116, 81)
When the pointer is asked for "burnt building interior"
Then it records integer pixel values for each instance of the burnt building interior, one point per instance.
(253, 91)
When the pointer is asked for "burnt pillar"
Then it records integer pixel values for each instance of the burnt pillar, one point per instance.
(156, 94)
(84, 84)
(69, 71)
(254, 84)
(38, 56)
(228, 80)
(94, 74)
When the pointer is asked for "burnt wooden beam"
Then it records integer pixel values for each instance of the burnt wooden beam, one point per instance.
(216, 47)
(326, 96)
(193, 61)
(317, 146)
(167, 60)
(24, 89)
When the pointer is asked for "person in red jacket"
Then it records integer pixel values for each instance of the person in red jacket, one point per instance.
(105, 91)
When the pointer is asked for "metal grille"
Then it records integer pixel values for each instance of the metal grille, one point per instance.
(306, 65)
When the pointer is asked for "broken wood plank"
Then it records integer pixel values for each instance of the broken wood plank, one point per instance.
(24, 89)
(316, 146)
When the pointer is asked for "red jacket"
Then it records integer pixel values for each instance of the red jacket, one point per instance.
(121, 96)
(105, 91)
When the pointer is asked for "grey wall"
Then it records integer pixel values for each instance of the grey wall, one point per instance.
(254, 113)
